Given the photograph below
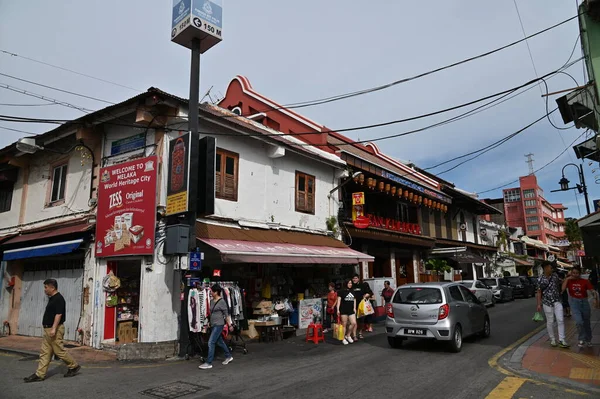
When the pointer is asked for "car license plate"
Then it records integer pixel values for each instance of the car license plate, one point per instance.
(415, 331)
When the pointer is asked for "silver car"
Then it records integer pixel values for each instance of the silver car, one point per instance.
(442, 311)
(481, 291)
(503, 292)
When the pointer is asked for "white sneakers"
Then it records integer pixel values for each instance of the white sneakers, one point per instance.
(206, 366)
(345, 341)
(350, 341)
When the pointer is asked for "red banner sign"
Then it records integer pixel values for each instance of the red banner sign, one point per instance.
(391, 224)
(127, 208)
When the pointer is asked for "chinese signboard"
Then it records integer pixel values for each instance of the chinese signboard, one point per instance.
(358, 202)
(178, 175)
(127, 208)
(197, 19)
(392, 224)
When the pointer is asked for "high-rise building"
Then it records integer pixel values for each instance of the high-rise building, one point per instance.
(525, 206)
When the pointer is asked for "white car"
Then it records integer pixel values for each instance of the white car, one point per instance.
(481, 291)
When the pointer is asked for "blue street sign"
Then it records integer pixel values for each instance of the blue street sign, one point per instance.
(195, 260)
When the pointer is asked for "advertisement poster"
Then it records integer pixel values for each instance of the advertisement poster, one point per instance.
(308, 310)
(127, 208)
(178, 175)
(358, 209)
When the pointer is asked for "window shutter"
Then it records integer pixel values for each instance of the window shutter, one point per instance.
(301, 200)
(310, 202)
(218, 183)
(229, 186)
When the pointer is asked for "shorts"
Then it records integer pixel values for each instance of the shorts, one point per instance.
(347, 313)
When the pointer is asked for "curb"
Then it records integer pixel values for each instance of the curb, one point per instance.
(19, 352)
(512, 361)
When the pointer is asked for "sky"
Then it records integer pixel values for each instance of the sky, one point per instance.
(300, 51)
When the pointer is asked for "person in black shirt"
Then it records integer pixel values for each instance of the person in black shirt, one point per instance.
(346, 308)
(362, 291)
(54, 331)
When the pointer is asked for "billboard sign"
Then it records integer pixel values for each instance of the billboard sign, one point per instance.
(178, 175)
(126, 216)
(197, 19)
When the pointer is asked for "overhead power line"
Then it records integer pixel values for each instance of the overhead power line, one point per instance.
(17, 130)
(52, 100)
(24, 105)
(69, 70)
(339, 97)
(539, 169)
(57, 89)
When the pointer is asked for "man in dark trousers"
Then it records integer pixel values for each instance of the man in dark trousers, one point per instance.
(54, 331)
(594, 276)
(361, 290)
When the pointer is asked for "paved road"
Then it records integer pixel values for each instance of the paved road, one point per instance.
(297, 370)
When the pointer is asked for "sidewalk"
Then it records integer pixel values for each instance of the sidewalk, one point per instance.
(30, 346)
(573, 365)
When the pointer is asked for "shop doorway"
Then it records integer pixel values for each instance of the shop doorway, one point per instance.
(404, 271)
(121, 321)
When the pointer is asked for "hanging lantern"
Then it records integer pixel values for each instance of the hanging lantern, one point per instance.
(438, 206)
(393, 191)
(420, 200)
(410, 196)
(369, 182)
(381, 186)
(434, 205)
(399, 192)
(374, 184)
(429, 202)
(388, 187)
(361, 179)
(445, 208)
(406, 195)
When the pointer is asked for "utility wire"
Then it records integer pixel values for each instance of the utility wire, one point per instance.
(326, 100)
(17, 130)
(25, 105)
(537, 170)
(52, 100)
(69, 70)
(57, 89)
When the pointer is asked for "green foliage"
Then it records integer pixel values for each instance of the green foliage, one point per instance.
(438, 265)
(573, 232)
(332, 224)
(502, 240)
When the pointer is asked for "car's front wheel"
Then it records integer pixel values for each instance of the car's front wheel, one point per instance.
(485, 333)
(457, 339)
(395, 342)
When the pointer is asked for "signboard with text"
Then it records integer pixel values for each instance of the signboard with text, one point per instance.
(178, 175)
(358, 208)
(127, 208)
(197, 19)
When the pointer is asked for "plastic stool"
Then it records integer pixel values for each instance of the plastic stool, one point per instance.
(314, 333)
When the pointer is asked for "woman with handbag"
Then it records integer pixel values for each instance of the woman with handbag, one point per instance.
(346, 307)
(330, 310)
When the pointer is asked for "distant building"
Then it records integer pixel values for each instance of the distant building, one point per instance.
(525, 206)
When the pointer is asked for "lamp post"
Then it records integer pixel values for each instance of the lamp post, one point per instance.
(581, 187)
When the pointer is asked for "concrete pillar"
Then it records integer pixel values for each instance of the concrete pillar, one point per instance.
(416, 259)
(393, 265)
(364, 266)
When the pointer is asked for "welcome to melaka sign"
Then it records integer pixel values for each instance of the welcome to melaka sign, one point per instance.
(126, 216)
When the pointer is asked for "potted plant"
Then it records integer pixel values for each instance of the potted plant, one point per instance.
(438, 266)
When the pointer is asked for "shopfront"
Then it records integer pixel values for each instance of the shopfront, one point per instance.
(54, 252)
(275, 269)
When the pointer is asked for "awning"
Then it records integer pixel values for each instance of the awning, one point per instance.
(564, 265)
(237, 244)
(233, 251)
(58, 248)
(521, 262)
(459, 255)
(50, 232)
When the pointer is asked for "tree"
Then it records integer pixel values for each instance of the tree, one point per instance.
(573, 232)
(438, 265)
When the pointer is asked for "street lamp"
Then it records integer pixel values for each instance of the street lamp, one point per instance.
(355, 174)
(581, 187)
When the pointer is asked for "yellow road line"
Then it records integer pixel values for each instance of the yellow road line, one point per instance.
(507, 388)
(493, 363)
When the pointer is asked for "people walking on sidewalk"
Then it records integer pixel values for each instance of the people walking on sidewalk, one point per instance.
(361, 290)
(53, 323)
(578, 289)
(219, 316)
(550, 300)
(346, 308)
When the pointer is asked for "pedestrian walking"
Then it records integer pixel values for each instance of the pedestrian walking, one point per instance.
(549, 299)
(330, 310)
(53, 323)
(346, 308)
(578, 289)
(565, 296)
(361, 290)
(219, 317)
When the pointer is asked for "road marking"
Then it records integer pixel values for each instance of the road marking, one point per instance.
(581, 373)
(493, 363)
(507, 388)
(591, 361)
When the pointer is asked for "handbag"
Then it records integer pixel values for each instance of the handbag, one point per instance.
(338, 330)
(538, 316)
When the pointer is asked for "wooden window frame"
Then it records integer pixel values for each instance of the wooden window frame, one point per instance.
(220, 175)
(306, 209)
(53, 167)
